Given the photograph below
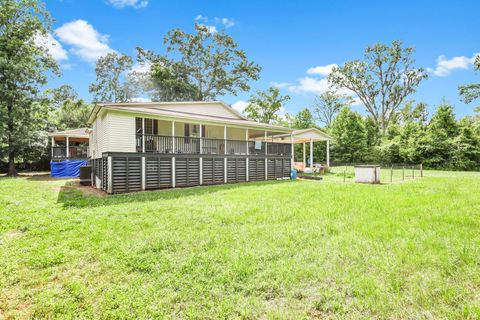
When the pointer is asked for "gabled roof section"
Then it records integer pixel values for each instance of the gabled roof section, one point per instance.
(214, 112)
(204, 108)
(305, 135)
(78, 133)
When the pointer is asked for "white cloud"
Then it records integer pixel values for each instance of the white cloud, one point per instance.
(86, 42)
(212, 29)
(128, 3)
(53, 47)
(310, 85)
(319, 86)
(141, 68)
(212, 24)
(228, 23)
(240, 106)
(446, 66)
(279, 85)
(322, 70)
(201, 18)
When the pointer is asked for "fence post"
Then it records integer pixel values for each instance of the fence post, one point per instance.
(421, 170)
(391, 174)
(403, 173)
(413, 172)
(344, 173)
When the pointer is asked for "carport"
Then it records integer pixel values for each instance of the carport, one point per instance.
(305, 136)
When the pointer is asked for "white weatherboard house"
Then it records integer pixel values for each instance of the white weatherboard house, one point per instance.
(143, 146)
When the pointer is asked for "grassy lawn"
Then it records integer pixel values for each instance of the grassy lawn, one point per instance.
(302, 249)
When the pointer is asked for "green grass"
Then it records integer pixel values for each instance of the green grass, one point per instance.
(302, 249)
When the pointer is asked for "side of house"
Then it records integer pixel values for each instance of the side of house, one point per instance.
(143, 146)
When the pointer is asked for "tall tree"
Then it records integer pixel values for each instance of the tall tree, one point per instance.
(112, 82)
(212, 62)
(471, 92)
(349, 137)
(58, 95)
(162, 78)
(382, 81)
(72, 114)
(328, 104)
(304, 119)
(264, 106)
(437, 144)
(23, 65)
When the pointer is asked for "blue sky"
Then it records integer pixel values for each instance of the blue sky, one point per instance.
(287, 38)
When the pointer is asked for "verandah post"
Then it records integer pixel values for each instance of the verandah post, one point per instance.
(246, 152)
(201, 158)
(173, 151)
(110, 174)
(144, 174)
(311, 155)
(225, 154)
(304, 157)
(266, 160)
(143, 134)
(68, 148)
(292, 151)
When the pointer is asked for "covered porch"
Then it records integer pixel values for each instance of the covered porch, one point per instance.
(70, 144)
(182, 137)
(304, 137)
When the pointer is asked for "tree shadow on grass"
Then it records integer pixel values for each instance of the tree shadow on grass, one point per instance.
(74, 195)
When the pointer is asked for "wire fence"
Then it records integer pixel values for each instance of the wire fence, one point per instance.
(389, 173)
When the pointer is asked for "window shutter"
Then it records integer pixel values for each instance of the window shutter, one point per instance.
(187, 130)
(203, 132)
(155, 126)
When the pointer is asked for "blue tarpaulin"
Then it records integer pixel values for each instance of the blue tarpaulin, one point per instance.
(66, 168)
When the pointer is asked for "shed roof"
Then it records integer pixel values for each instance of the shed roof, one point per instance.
(78, 133)
(303, 135)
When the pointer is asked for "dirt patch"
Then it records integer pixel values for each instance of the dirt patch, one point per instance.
(11, 235)
(85, 190)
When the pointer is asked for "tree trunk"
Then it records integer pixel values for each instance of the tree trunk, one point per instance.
(12, 172)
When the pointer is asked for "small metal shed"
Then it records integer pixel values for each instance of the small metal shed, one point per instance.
(367, 174)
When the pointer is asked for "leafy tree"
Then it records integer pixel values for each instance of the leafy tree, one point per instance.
(304, 119)
(382, 81)
(349, 137)
(327, 105)
(58, 95)
(471, 92)
(23, 65)
(72, 114)
(466, 154)
(437, 144)
(165, 80)
(265, 105)
(211, 62)
(111, 83)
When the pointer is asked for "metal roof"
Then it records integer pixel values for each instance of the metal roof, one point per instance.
(79, 133)
(150, 108)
